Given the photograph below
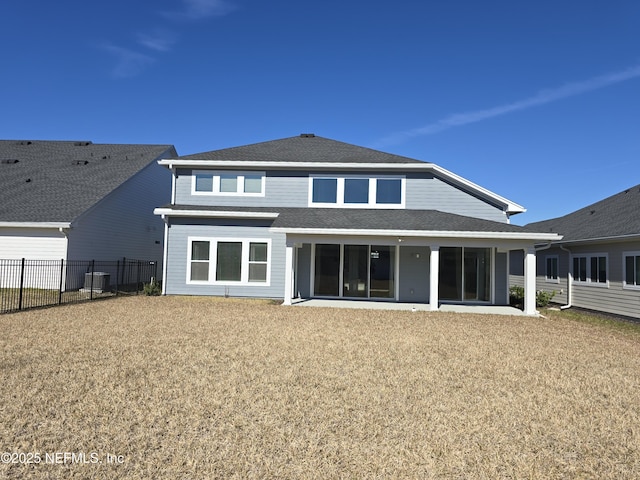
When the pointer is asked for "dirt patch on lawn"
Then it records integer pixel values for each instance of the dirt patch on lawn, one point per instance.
(180, 387)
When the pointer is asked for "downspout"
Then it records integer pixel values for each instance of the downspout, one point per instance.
(165, 218)
(569, 281)
(65, 232)
(546, 247)
(165, 254)
(174, 174)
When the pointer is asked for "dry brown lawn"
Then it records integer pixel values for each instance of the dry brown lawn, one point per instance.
(182, 387)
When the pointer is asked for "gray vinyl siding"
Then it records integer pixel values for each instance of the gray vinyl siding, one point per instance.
(303, 271)
(178, 256)
(414, 274)
(612, 298)
(501, 279)
(428, 192)
(560, 286)
(516, 268)
(282, 189)
(123, 224)
(291, 189)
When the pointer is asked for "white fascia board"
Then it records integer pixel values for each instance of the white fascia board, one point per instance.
(169, 212)
(511, 207)
(56, 225)
(294, 165)
(612, 239)
(550, 237)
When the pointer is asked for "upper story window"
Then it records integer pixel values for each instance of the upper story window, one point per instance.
(206, 182)
(353, 191)
(591, 269)
(631, 266)
(325, 190)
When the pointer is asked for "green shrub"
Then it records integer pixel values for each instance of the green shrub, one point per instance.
(543, 298)
(516, 297)
(152, 289)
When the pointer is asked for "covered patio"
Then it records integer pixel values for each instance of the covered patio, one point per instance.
(431, 259)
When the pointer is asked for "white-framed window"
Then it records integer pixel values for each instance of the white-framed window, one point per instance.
(591, 269)
(209, 182)
(631, 270)
(228, 261)
(551, 268)
(357, 191)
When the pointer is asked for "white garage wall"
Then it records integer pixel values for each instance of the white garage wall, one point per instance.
(32, 243)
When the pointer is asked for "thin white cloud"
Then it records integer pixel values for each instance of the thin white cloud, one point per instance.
(159, 40)
(128, 62)
(199, 9)
(541, 98)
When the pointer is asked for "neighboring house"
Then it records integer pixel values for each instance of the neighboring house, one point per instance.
(596, 265)
(81, 201)
(307, 217)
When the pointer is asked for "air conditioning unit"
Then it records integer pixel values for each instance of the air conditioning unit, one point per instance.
(100, 282)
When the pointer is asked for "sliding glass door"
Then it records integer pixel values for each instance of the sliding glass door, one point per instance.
(382, 271)
(327, 270)
(354, 271)
(465, 274)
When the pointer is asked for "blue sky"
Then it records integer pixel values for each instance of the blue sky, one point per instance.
(537, 101)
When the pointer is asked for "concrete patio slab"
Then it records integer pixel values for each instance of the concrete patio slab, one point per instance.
(417, 307)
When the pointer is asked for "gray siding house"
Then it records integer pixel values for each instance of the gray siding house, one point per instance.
(81, 201)
(596, 265)
(306, 217)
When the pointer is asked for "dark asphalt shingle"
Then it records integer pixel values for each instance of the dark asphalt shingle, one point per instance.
(56, 181)
(614, 216)
(302, 149)
(369, 219)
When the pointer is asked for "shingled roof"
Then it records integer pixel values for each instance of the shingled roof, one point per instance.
(303, 148)
(56, 181)
(615, 216)
(391, 220)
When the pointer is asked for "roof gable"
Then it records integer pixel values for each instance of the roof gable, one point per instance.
(303, 148)
(56, 181)
(312, 153)
(615, 216)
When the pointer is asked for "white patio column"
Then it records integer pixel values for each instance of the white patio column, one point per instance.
(288, 274)
(530, 281)
(434, 269)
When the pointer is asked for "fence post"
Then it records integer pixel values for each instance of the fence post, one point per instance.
(124, 267)
(21, 285)
(93, 264)
(60, 286)
(117, 275)
(138, 277)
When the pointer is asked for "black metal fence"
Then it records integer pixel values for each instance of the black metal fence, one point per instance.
(39, 283)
